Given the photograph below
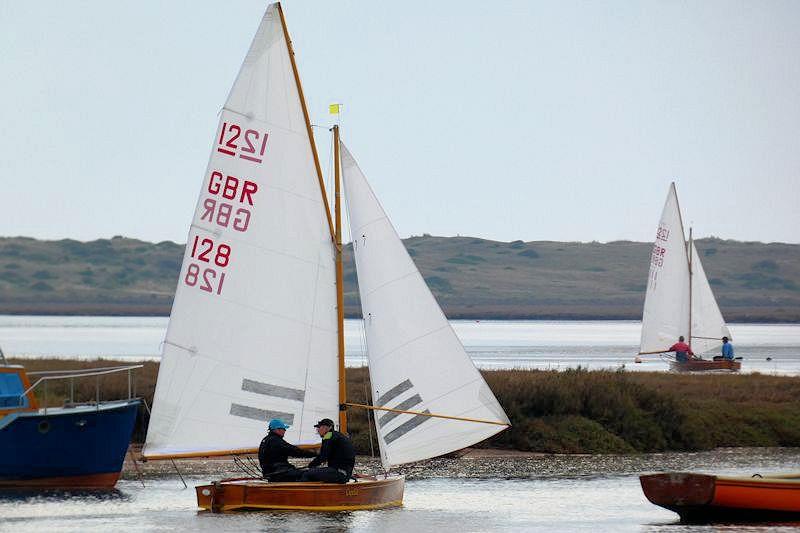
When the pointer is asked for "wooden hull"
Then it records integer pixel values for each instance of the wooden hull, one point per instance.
(257, 494)
(704, 365)
(701, 498)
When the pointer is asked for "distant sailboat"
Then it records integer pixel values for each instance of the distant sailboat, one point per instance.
(679, 299)
(256, 330)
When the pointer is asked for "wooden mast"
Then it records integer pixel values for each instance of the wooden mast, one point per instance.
(339, 282)
(689, 251)
(308, 122)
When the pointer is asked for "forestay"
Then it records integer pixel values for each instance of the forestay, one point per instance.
(666, 304)
(252, 334)
(416, 362)
(708, 326)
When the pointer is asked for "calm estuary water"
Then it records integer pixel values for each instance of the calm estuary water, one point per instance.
(541, 493)
(491, 343)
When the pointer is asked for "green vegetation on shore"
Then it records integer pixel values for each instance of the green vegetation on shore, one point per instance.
(471, 278)
(575, 411)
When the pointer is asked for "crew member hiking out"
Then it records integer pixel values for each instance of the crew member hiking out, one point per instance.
(682, 350)
(337, 451)
(274, 453)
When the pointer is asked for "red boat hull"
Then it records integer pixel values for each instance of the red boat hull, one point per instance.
(702, 498)
(87, 482)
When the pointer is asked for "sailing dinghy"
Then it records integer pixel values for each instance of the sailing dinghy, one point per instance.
(256, 329)
(679, 299)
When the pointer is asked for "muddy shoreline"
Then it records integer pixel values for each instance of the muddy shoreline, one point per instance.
(493, 463)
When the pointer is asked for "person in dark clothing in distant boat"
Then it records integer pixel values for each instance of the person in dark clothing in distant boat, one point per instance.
(682, 350)
(337, 451)
(274, 453)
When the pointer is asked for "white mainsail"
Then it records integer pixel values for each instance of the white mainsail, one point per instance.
(708, 326)
(416, 362)
(666, 303)
(252, 334)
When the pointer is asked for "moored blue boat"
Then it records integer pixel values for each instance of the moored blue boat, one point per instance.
(77, 446)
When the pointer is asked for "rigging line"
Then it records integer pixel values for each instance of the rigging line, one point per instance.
(368, 398)
(371, 425)
(432, 415)
(185, 486)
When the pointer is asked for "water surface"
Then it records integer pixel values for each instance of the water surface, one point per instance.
(539, 493)
(491, 343)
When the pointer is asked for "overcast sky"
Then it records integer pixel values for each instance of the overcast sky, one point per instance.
(508, 120)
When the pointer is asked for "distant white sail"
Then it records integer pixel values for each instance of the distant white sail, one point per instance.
(708, 326)
(252, 334)
(416, 362)
(666, 304)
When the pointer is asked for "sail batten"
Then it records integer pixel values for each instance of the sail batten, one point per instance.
(415, 358)
(252, 333)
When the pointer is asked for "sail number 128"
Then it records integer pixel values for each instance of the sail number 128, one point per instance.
(217, 256)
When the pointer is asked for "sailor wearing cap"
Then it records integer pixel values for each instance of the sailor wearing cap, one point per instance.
(274, 453)
(337, 451)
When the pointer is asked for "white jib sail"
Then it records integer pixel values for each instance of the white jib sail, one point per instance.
(666, 303)
(708, 326)
(416, 362)
(252, 334)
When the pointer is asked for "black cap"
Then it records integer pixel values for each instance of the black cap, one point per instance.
(324, 422)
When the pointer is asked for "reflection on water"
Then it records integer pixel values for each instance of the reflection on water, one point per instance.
(491, 343)
(548, 493)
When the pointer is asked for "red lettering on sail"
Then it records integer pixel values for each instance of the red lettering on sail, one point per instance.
(206, 272)
(657, 255)
(232, 188)
(227, 214)
(249, 146)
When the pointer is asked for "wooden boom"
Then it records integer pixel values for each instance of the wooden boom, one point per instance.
(432, 415)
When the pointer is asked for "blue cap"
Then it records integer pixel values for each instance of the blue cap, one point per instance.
(277, 423)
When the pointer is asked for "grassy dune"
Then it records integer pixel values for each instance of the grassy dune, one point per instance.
(574, 411)
(471, 277)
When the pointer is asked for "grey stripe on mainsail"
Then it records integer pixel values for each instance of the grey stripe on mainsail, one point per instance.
(393, 393)
(405, 427)
(388, 416)
(277, 391)
(262, 415)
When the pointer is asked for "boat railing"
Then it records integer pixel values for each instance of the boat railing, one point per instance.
(46, 376)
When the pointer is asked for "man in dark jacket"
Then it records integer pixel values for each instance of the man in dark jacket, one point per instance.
(274, 453)
(337, 451)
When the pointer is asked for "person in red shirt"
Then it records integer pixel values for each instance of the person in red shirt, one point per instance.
(682, 350)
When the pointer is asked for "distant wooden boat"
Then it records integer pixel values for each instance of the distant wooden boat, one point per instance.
(702, 498)
(257, 325)
(253, 494)
(679, 300)
(706, 365)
